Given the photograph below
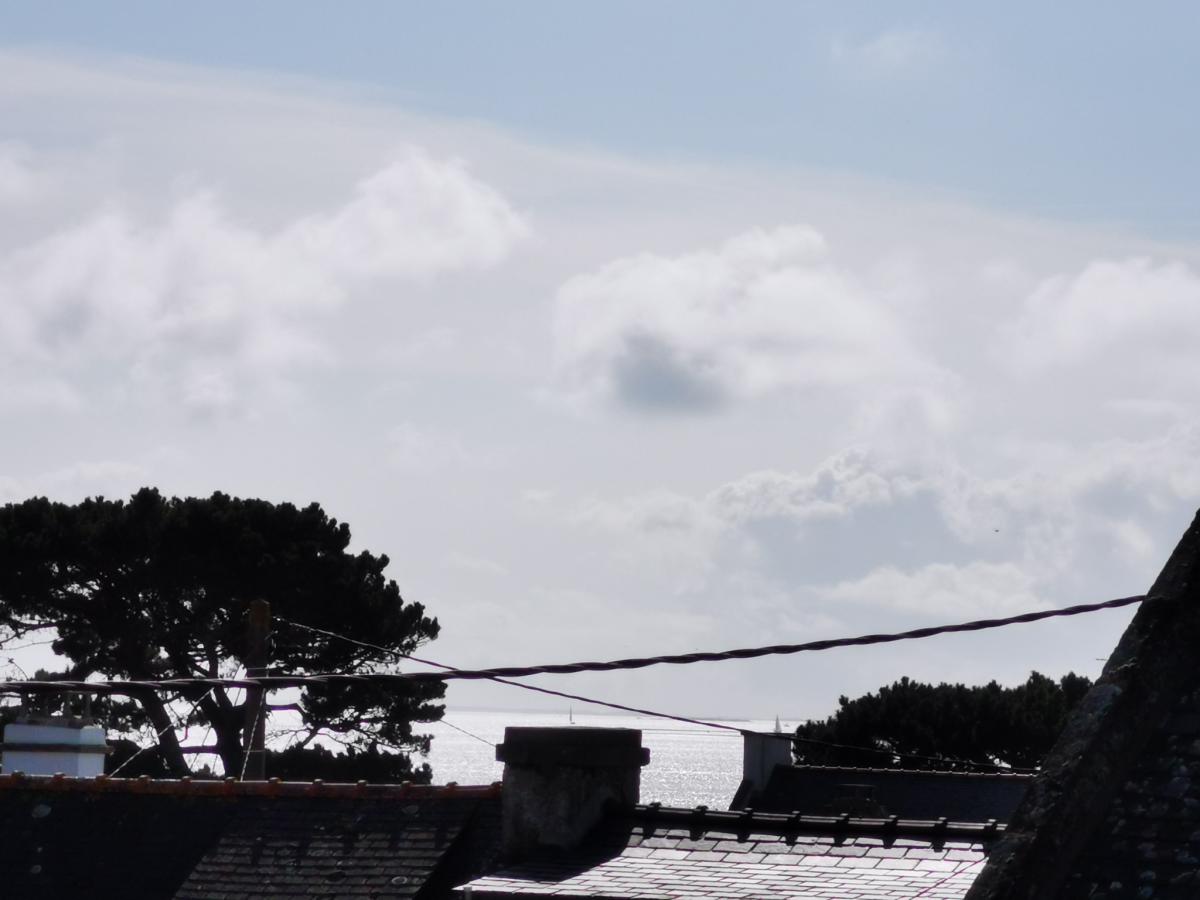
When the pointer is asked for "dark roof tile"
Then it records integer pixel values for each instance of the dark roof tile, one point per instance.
(69, 838)
(1114, 810)
(765, 860)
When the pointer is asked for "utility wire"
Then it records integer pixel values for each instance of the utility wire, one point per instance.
(961, 869)
(249, 750)
(469, 734)
(518, 684)
(273, 682)
(943, 760)
(160, 733)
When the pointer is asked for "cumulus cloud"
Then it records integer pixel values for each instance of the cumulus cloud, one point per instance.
(766, 527)
(837, 487)
(203, 306)
(418, 216)
(936, 538)
(765, 311)
(1110, 307)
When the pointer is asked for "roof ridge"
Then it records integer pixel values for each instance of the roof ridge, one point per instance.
(701, 817)
(273, 787)
(886, 771)
(1152, 665)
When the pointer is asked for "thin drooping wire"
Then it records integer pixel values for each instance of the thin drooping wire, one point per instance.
(942, 760)
(160, 733)
(250, 736)
(273, 682)
(12, 648)
(961, 869)
(469, 734)
(517, 684)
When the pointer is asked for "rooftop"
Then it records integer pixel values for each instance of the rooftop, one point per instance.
(913, 794)
(696, 853)
(148, 840)
(1115, 811)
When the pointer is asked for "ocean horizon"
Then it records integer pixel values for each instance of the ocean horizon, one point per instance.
(689, 764)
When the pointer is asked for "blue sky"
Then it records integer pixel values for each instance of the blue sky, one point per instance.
(629, 328)
(1075, 110)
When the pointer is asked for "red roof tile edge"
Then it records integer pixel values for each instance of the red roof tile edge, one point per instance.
(231, 787)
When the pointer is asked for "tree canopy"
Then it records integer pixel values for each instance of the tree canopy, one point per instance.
(158, 587)
(986, 724)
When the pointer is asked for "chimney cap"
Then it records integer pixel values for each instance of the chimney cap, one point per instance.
(572, 746)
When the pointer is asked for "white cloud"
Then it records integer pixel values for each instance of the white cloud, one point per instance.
(753, 530)
(940, 589)
(208, 306)
(1111, 312)
(766, 311)
(932, 538)
(416, 217)
(198, 239)
(888, 53)
(836, 488)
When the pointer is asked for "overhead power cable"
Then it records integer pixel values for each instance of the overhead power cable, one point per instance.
(916, 757)
(275, 682)
(620, 707)
(470, 734)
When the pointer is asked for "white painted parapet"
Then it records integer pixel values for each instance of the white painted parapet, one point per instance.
(50, 746)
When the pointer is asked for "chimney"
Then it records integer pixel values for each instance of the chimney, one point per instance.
(47, 745)
(761, 753)
(559, 783)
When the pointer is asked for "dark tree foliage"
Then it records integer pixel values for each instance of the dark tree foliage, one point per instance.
(369, 765)
(986, 724)
(157, 587)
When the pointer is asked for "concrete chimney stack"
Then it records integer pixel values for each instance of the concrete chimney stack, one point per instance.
(559, 783)
(47, 745)
(761, 753)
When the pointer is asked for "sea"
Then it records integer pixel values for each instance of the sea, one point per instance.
(689, 764)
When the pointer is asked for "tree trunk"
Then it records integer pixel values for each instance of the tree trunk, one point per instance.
(226, 721)
(168, 743)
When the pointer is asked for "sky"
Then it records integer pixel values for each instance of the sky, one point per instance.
(629, 329)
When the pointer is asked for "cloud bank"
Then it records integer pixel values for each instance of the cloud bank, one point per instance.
(906, 411)
(204, 307)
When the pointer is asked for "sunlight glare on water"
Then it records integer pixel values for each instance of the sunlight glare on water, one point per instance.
(689, 764)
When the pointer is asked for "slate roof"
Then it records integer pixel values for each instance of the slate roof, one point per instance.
(1115, 811)
(908, 793)
(1148, 843)
(680, 853)
(153, 840)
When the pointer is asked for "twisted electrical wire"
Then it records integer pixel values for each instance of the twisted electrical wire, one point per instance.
(795, 739)
(275, 682)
